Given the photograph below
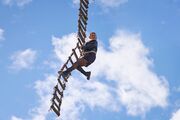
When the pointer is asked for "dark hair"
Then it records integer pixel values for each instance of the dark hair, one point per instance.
(94, 34)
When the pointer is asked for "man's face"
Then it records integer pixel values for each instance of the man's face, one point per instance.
(92, 36)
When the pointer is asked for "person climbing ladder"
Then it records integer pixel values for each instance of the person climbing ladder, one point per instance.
(86, 57)
(89, 55)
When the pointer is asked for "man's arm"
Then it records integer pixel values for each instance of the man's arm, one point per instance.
(89, 46)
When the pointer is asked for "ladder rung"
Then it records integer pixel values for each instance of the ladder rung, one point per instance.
(54, 103)
(71, 60)
(56, 97)
(81, 38)
(85, 15)
(75, 54)
(56, 88)
(80, 42)
(55, 110)
(62, 85)
(81, 11)
(60, 102)
(84, 4)
(87, 1)
(83, 19)
(82, 33)
(65, 79)
(80, 51)
(81, 24)
(63, 66)
(83, 8)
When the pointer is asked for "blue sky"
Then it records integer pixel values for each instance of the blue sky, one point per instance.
(135, 76)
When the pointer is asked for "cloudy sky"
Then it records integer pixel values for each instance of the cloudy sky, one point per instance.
(135, 76)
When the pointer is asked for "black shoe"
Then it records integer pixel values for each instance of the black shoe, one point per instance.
(65, 74)
(88, 74)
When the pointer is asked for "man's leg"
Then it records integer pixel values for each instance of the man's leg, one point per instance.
(80, 62)
(87, 74)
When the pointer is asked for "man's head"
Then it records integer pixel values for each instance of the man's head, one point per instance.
(92, 36)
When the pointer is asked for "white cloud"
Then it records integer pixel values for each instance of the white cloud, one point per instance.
(81, 93)
(23, 59)
(121, 76)
(112, 3)
(19, 3)
(15, 118)
(76, 1)
(44, 89)
(1, 34)
(106, 3)
(176, 115)
(63, 46)
(127, 63)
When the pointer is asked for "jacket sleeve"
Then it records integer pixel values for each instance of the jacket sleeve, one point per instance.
(90, 46)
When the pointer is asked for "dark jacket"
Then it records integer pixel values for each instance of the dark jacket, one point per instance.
(90, 46)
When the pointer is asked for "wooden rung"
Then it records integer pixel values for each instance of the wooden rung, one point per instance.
(85, 12)
(81, 29)
(56, 97)
(80, 51)
(78, 46)
(71, 60)
(81, 24)
(55, 110)
(57, 89)
(54, 103)
(80, 42)
(81, 11)
(60, 103)
(75, 54)
(84, 3)
(65, 79)
(62, 85)
(81, 38)
(82, 33)
(64, 66)
(85, 15)
(83, 8)
(87, 1)
(83, 20)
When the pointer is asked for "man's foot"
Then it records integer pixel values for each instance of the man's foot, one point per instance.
(65, 74)
(88, 74)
